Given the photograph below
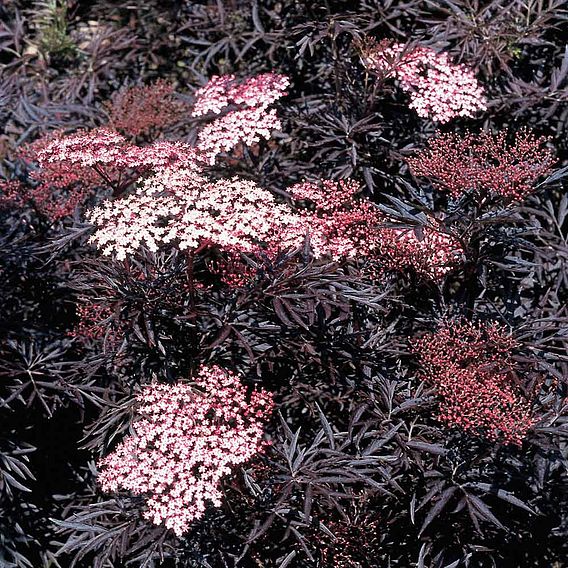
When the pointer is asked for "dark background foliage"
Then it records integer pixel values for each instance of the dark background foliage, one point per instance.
(360, 473)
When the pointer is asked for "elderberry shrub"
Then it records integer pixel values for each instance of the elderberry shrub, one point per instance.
(283, 284)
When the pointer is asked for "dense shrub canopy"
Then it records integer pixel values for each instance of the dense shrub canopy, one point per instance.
(284, 284)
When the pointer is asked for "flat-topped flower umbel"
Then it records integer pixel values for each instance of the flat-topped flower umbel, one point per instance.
(187, 438)
(438, 89)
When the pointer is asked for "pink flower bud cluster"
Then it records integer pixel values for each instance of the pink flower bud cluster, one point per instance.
(344, 226)
(249, 122)
(471, 367)
(145, 110)
(92, 324)
(438, 89)
(232, 270)
(12, 193)
(186, 440)
(56, 188)
(484, 163)
(338, 224)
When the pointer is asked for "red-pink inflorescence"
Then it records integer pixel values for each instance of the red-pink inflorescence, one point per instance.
(145, 110)
(96, 322)
(484, 163)
(432, 255)
(342, 225)
(186, 440)
(232, 270)
(248, 122)
(107, 151)
(470, 366)
(56, 188)
(12, 193)
(438, 89)
(338, 223)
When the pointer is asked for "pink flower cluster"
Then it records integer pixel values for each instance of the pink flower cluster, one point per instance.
(471, 367)
(173, 201)
(249, 122)
(438, 89)
(186, 208)
(247, 126)
(145, 110)
(221, 91)
(70, 167)
(338, 224)
(344, 226)
(432, 256)
(186, 440)
(484, 163)
(56, 188)
(182, 206)
(214, 96)
(102, 148)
